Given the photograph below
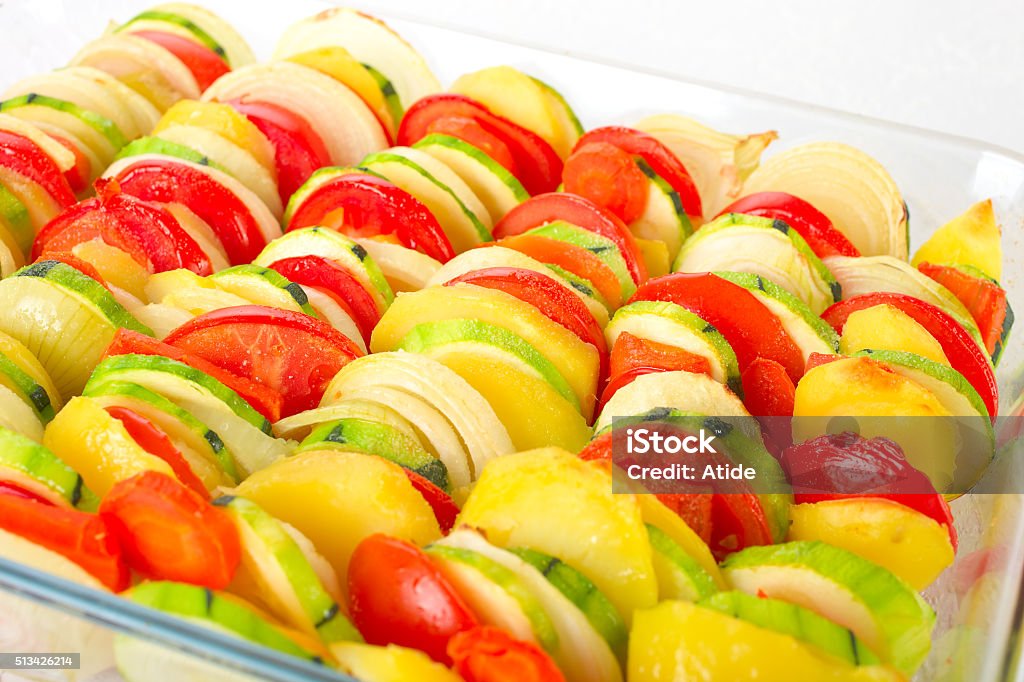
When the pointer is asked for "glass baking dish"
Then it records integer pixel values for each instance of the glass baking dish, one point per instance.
(977, 600)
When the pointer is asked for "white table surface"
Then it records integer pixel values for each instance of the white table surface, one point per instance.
(946, 65)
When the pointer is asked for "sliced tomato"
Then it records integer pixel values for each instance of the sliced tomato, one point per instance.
(291, 353)
(549, 297)
(68, 258)
(398, 596)
(205, 64)
(661, 160)
(166, 181)
(145, 231)
(580, 211)
(631, 351)
(298, 150)
(769, 395)
(694, 509)
(264, 400)
(767, 389)
(150, 438)
(537, 164)
(445, 509)
(983, 298)
(749, 327)
(25, 158)
(489, 654)
(340, 284)
(79, 174)
(820, 463)
(468, 130)
(738, 521)
(621, 379)
(608, 176)
(364, 205)
(963, 353)
(169, 532)
(83, 538)
(810, 223)
(8, 488)
(575, 259)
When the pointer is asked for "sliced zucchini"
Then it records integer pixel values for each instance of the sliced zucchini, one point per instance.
(334, 246)
(809, 332)
(674, 325)
(374, 438)
(497, 189)
(263, 286)
(244, 430)
(180, 425)
(461, 225)
(664, 218)
(280, 575)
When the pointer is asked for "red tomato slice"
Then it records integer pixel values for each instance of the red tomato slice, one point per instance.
(609, 177)
(169, 532)
(83, 538)
(339, 283)
(767, 389)
(154, 441)
(962, 352)
(549, 297)
(263, 400)
(468, 130)
(398, 596)
(78, 175)
(769, 395)
(631, 351)
(538, 166)
(8, 488)
(298, 150)
(658, 157)
(489, 654)
(166, 181)
(145, 231)
(810, 223)
(983, 298)
(363, 205)
(738, 521)
(68, 258)
(580, 211)
(22, 156)
(288, 352)
(445, 510)
(575, 259)
(617, 381)
(205, 64)
(749, 327)
(818, 464)
(694, 509)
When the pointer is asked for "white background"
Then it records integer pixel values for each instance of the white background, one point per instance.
(956, 66)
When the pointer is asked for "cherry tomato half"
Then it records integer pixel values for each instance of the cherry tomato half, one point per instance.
(398, 596)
